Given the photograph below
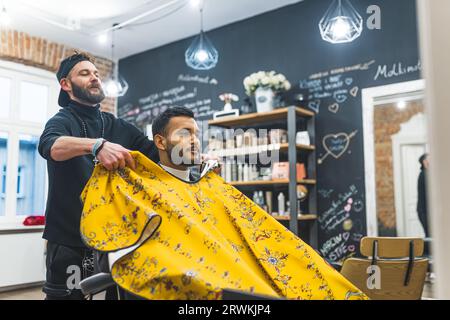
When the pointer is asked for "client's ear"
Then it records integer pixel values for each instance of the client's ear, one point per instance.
(160, 142)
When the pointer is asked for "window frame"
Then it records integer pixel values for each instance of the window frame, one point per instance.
(14, 128)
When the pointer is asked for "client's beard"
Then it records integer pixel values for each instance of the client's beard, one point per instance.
(177, 157)
(85, 96)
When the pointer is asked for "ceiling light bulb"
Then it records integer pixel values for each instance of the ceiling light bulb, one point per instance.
(112, 88)
(201, 55)
(103, 38)
(196, 3)
(115, 87)
(341, 28)
(401, 105)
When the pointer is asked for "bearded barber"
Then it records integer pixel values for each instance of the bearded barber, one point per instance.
(77, 137)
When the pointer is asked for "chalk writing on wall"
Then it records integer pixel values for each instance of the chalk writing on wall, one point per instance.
(342, 216)
(186, 95)
(198, 79)
(396, 70)
(325, 193)
(337, 85)
(339, 210)
(336, 145)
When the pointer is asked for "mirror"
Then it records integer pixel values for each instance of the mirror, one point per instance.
(396, 164)
(395, 139)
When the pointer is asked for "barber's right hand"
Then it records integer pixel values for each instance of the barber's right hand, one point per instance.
(113, 156)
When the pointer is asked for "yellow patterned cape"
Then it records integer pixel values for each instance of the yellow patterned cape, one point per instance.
(191, 240)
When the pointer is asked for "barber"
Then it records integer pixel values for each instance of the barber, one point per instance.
(74, 140)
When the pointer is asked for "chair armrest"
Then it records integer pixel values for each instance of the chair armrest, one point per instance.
(96, 283)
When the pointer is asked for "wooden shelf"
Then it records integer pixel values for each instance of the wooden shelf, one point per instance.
(284, 147)
(303, 217)
(255, 118)
(270, 182)
(273, 119)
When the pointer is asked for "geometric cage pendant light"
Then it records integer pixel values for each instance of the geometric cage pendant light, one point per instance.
(341, 23)
(116, 86)
(201, 54)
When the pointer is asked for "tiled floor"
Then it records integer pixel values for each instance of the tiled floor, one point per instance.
(428, 291)
(23, 294)
(31, 294)
(36, 294)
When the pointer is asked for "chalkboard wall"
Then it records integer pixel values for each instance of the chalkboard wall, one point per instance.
(288, 41)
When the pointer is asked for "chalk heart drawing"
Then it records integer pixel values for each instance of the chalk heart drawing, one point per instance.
(348, 81)
(314, 105)
(354, 91)
(334, 108)
(336, 144)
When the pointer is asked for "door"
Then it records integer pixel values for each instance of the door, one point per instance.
(410, 170)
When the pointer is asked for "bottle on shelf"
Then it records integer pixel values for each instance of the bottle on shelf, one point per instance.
(222, 172)
(281, 204)
(254, 172)
(269, 201)
(240, 172)
(258, 198)
(288, 209)
(262, 200)
(233, 170)
(228, 171)
(255, 197)
(246, 172)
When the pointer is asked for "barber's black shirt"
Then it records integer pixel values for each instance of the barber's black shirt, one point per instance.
(68, 178)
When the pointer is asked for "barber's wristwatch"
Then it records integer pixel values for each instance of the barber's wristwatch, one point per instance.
(97, 148)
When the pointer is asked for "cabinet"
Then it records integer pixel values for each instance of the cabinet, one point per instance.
(292, 119)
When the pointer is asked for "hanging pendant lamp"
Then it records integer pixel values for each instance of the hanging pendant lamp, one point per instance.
(341, 23)
(201, 54)
(116, 86)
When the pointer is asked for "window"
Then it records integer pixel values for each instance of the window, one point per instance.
(3, 166)
(30, 178)
(33, 102)
(28, 98)
(5, 97)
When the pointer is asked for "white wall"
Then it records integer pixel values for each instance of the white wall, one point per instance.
(22, 257)
(434, 19)
(22, 248)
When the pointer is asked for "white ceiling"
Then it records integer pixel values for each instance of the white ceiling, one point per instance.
(172, 20)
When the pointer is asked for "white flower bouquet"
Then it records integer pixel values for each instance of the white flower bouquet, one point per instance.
(266, 79)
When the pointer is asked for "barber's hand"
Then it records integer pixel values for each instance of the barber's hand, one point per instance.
(206, 157)
(218, 170)
(114, 156)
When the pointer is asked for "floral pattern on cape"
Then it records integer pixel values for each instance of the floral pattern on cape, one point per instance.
(191, 240)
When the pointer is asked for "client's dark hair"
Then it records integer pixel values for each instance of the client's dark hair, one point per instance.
(160, 123)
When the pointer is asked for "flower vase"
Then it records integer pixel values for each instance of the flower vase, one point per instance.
(264, 99)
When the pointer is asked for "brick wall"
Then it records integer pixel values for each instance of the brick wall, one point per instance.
(387, 121)
(23, 48)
